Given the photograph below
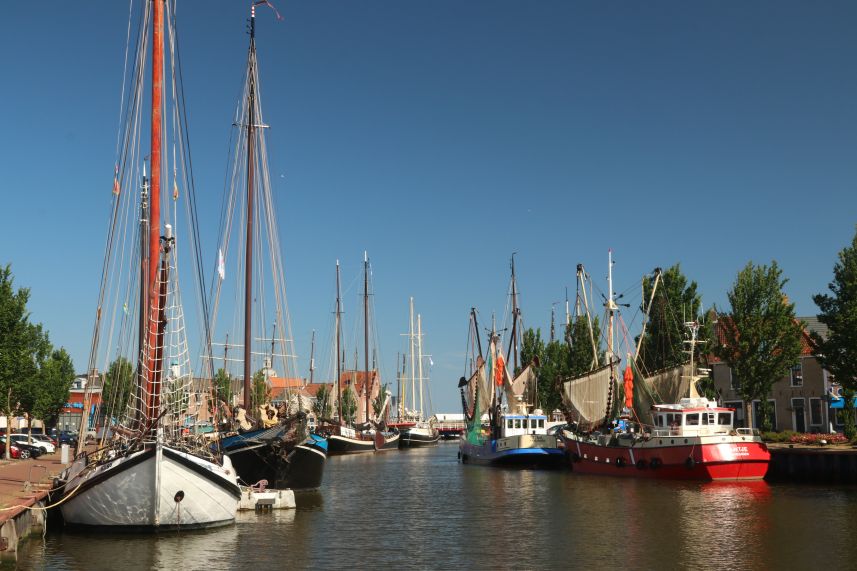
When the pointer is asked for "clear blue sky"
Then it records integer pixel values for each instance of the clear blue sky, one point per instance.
(442, 136)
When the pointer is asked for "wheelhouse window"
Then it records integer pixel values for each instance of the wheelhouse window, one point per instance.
(541, 423)
(797, 375)
(517, 423)
(724, 418)
(693, 419)
(509, 423)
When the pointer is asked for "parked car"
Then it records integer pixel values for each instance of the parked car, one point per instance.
(19, 450)
(64, 437)
(35, 440)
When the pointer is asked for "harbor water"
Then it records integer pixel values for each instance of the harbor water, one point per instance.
(421, 509)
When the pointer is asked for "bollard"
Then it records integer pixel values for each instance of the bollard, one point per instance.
(64, 454)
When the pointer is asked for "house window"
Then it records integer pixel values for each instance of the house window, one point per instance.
(733, 381)
(739, 408)
(757, 414)
(814, 411)
(797, 375)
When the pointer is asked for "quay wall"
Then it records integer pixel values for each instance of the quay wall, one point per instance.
(805, 464)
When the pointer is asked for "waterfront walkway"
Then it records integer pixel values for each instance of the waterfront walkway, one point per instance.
(25, 482)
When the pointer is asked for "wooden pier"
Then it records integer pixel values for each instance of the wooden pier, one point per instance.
(834, 464)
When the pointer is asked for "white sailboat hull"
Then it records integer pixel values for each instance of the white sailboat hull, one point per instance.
(155, 488)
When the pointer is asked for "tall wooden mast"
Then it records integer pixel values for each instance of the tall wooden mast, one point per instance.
(339, 347)
(366, 328)
(248, 254)
(152, 312)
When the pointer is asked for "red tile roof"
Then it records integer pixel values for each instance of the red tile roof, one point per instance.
(807, 345)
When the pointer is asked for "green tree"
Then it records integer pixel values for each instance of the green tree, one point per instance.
(322, 404)
(118, 385)
(260, 391)
(379, 401)
(760, 335)
(675, 302)
(838, 311)
(56, 378)
(553, 366)
(349, 405)
(223, 386)
(581, 358)
(24, 347)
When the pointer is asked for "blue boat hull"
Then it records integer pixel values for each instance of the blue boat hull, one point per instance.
(487, 455)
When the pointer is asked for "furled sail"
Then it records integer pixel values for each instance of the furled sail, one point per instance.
(478, 391)
(586, 396)
(664, 386)
(523, 388)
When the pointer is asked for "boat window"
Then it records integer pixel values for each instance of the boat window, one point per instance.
(704, 418)
(724, 418)
(693, 419)
(711, 417)
(541, 423)
(517, 423)
(509, 421)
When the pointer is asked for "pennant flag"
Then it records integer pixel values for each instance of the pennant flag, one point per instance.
(221, 265)
(116, 180)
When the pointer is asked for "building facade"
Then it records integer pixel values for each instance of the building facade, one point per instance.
(800, 400)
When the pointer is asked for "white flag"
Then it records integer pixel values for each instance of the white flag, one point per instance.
(431, 363)
(221, 265)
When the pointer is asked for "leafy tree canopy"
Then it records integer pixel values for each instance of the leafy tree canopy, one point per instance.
(760, 338)
(838, 311)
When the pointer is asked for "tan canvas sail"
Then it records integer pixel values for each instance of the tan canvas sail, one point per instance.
(478, 380)
(664, 386)
(585, 396)
(522, 389)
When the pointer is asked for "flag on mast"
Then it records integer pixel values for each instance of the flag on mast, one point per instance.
(221, 265)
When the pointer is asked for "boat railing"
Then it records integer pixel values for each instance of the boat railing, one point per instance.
(748, 432)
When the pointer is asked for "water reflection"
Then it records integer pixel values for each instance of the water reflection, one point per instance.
(422, 509)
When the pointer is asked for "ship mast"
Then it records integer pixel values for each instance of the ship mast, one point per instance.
(514, 318)
(338, 346)
(366, 387)
(413, 368)
(420, 363)
(151, 313)
(312, 357)
(248, 252)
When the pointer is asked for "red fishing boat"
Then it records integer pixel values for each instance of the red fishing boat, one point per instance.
(691, 439)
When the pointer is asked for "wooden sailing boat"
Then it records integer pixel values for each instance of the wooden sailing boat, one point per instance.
(149, 476)
(416, 430)
(687, 437)
(516, 429)
(373, 435)
(277, 447)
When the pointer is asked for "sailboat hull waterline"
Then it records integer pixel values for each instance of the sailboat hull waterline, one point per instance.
(528, 451)
(339, 445)
(418, 437)
(256, 458)
(156, 488)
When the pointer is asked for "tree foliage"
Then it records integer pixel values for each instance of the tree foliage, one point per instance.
(55, 380)
(349, 405)
(118, 385)
(322, 406)
(260, 393)
(675, 302)
(223, 386)
(379, 401)
(581, 358)
(838, 311)
(24, 347)
(760, 336)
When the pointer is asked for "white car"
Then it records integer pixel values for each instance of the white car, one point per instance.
(40, 440)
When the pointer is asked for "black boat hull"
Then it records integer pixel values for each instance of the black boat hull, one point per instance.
(412, 439)
(301, 468)
(338, 445)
